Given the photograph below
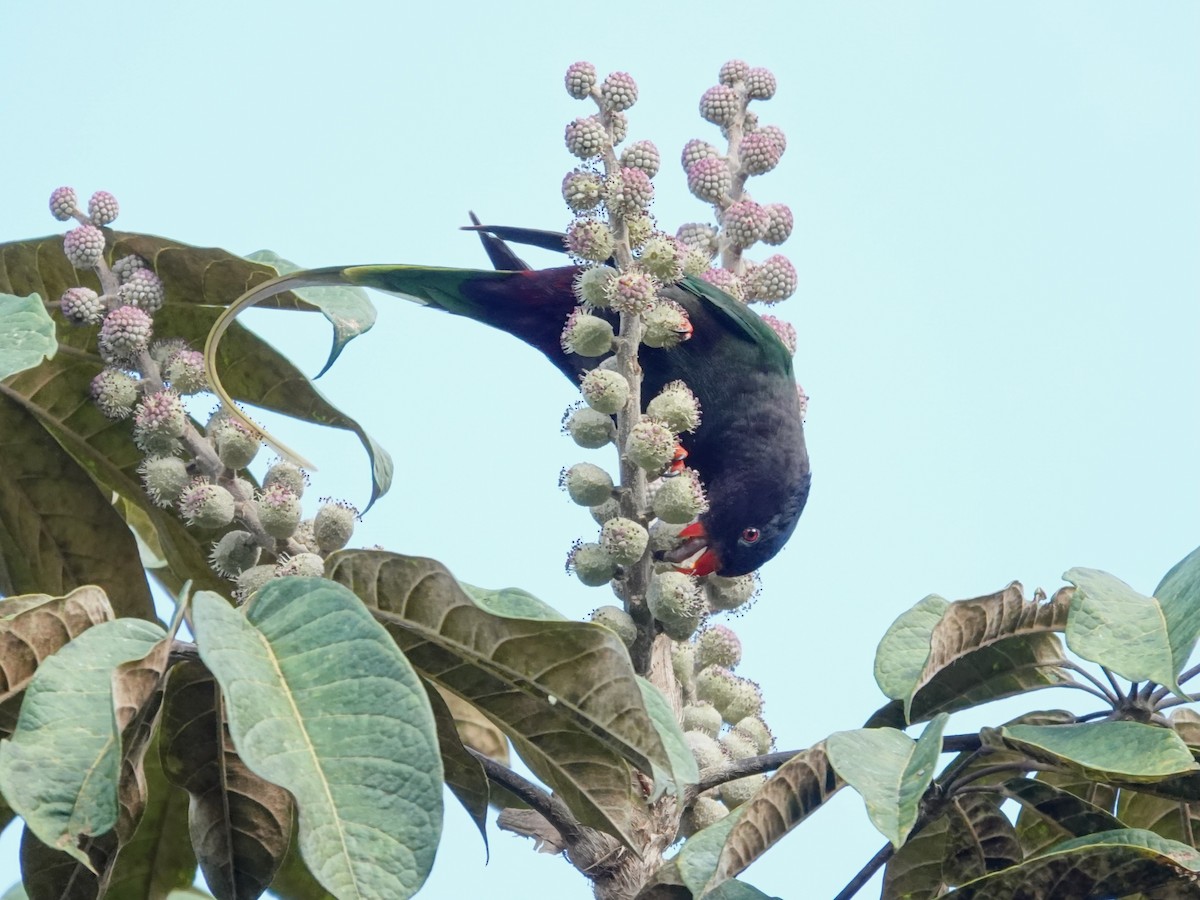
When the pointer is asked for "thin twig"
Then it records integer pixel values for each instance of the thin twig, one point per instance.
(1025, 765)
(1109, 696)
(1113, 681)
(866, 872)
(551, 808)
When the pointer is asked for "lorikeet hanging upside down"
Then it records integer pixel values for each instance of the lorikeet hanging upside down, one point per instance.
(749, 450)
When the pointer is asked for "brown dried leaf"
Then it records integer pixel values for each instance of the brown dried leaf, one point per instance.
(475, 729)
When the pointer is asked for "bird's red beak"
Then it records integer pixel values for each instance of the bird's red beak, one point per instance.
(695, 539)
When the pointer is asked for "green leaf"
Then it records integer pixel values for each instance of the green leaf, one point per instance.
(16, 892)
(797, 789)
(1063, 813)
(512, 603)
(26, 333)
(698, 859)
(890, 770)
(564, 692)
(320, 702)
(59, 770)
(293, 881)
(1037, 833)
(1113, 625)
(905, 647)
(737, 890)
(1112, 863)
(981, 838)
(1128, 751)
(347, 309)
(915, 870)
(239, 823)
(683, 770)
(1179, 596)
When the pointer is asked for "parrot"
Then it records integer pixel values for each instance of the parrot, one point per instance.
(749, 449)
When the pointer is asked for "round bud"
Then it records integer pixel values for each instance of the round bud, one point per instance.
(124, 267)
(158, 422)
(725, 594)
(755, 730)
(726, 281)
(715, 684)
(581, 190)
(82, 306)
(709, 180)
(720, 105)
(746, 701)
(236, 445)
(696, 150)
(278, 510)
(628, 192)
(586, 137)
(162, 351)
(667, 325)
(185, 372)
(165, 478)
(704, 812)
(633, 292)
(760, 84)
(680, 499)
(234, 553)
(115, 393)
(62, 203)
(604, 390)
(639, 228)
(775, 133)
(701, 717)
(696, 263)
(249, 582)
(624, 540)
(602, 512)
(306, 565)
(744, 222)
(619, 91)
(735, 793)
(206, 505)
(674, 599)
(664, 536)
(591, 564)
(683, 664)
(651, 445)
(286, 475)
(587, 484)
(103, 208)
(333, 525)
(718, 646)
(304, 537)
(785, 330)
(587, 335)
(759, 153)
(143, 289)
(590, 239)
(84, 246)
(591, 285)
(699, 236)
(705, 749)
(780, 221)
(773, 280)
(662, 257)
(616, 619)
(732, 71)
(676, 407)
(737, 746)
(124, 335)
(641, 155)
(580, 78)
(590, 429)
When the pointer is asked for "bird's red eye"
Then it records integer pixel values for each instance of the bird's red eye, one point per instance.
(750, 535)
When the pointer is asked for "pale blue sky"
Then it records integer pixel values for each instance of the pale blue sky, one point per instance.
(997, 218)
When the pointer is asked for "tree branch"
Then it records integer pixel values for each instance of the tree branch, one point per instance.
(551, 808)
(864, 874)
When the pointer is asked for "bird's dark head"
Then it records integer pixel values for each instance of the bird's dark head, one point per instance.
(746, 525)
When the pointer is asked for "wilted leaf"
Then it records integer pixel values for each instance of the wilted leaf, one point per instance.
(1050, 813)
(464, 773)
(59, 771)
(1113, 625)
(564, 692)
(475, 730)
(26, 333)
(50, 874)
(698, 860)
(1128, 751)
(1037, 833)
(239, 824)
(915, 870)
(981, 839)
(890, 770)
(798, 788)
(320, 702)
(1112, 863)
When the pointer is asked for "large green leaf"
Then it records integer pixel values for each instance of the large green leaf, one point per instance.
(564, 692)
(700, 856)
(890, 770)
(26, 333)
(239, 823)
(60, 769)
(1128, 751)
(1127, 632)
(1109, 864)
(1179, 596)
(941, 657)
(321, 702)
